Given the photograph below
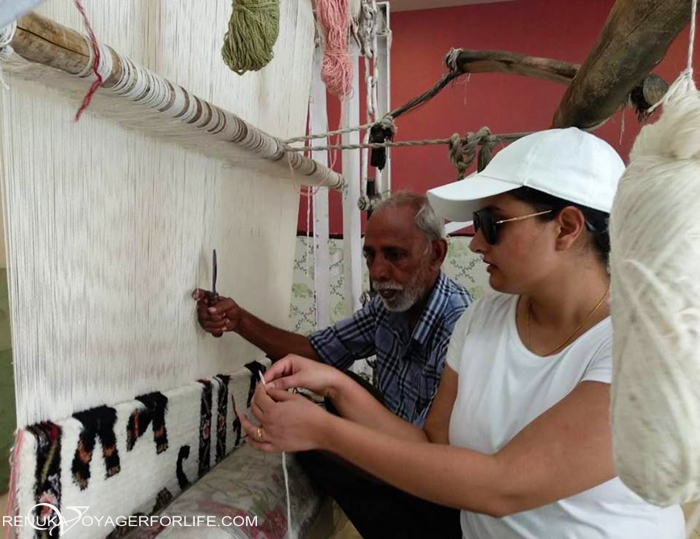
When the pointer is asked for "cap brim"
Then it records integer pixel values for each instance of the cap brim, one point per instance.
(459, 200)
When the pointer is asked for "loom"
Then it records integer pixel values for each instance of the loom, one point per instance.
(110, 222)
(175, 155)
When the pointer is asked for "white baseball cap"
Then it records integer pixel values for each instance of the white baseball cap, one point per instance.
(566, 163)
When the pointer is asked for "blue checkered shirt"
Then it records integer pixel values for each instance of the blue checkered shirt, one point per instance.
(409, 364)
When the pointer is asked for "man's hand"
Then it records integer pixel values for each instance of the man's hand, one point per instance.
(224, 314)
(216, 317)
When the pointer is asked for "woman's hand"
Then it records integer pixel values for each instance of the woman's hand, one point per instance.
(288, 422)
(296, 371)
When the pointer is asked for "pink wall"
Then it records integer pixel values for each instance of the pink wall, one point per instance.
(548, 28)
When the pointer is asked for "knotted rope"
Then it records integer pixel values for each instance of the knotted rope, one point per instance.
(462, 150)
(388, 119)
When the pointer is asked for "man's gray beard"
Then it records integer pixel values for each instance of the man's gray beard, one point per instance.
(405, 297)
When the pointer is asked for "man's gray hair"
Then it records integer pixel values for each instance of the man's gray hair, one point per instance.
(426, 218)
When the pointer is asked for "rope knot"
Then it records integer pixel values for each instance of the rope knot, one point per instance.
(7, 34)
(387, 123)
(463, 150)
(379, 133)
(451, 60)
(487, 141)
(367, 28)
(459, 153)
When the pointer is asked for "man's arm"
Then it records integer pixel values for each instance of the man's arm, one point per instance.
(227, 315)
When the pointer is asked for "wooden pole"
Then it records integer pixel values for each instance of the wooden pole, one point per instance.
(42, 41)
(471, 61)
(633, 41)
(645, 94)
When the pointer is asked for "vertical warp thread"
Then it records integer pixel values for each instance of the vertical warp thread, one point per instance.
(108, 232)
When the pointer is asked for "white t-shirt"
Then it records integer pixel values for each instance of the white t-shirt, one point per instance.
(502, 388)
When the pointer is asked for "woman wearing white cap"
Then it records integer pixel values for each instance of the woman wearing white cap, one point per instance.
(518, 436)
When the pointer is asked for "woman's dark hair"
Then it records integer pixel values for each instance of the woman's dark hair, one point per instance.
(596, 220)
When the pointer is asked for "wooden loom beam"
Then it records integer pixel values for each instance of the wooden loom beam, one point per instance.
(43, 41)
(650, 90)
(511, 63)
(635, 38)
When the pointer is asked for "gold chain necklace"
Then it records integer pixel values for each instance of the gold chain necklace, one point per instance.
(529, 309)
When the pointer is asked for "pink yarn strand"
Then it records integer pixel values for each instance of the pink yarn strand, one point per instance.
(336, 68)
(96, 64)
(10, 531)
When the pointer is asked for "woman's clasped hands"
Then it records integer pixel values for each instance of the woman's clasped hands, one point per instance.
(289, 421)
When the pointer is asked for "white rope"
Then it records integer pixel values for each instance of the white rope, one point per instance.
(309, 242)
(290, 533)
(7, 34)
(684, 83)
(695, 515)
(691, 40)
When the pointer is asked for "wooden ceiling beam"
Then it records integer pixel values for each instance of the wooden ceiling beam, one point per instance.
(635, 38)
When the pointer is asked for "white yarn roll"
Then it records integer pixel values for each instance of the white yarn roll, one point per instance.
(655, 266)
(104, 66)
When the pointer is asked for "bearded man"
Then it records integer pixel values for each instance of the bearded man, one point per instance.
(407, 325)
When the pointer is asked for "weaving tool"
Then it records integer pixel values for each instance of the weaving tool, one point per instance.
(213, 295)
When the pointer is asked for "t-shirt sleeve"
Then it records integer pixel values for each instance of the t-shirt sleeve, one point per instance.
(459, 335)
(348, 340)
(601, 366)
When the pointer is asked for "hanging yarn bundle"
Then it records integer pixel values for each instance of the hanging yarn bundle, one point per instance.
(252, 33)
(655, 306)
(333, 17)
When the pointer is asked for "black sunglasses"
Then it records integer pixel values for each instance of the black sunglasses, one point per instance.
(485, 221)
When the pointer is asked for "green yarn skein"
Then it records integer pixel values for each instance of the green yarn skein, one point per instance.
(252, 32)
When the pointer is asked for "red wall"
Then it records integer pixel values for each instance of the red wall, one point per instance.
(564, 30)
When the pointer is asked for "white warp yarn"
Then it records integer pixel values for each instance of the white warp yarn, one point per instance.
(109, 230)
(655, 306)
